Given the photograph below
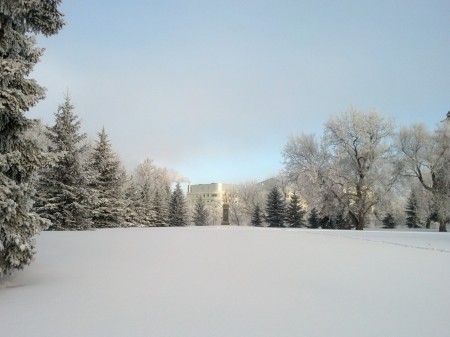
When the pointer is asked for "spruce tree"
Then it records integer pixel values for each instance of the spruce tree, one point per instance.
(177, 208)
(275, 208)
(109, 209)
(20, 157)
(64, 195)
(256, 218)
(412, 219)
(327, 222)
(131, 200)
(160, 211)
(144, 202)
(341, 222)
(313, 219)
(200, 216)
(388, 221)
(294, 212)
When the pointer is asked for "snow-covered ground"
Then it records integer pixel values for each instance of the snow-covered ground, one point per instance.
(230, 281)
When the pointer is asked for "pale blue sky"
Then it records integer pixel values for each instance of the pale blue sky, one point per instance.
(213, 89)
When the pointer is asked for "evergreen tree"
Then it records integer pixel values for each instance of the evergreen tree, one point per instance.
(412, 219)
(131, 200)
(256, 218)
(177, 208)
(313, 219)
(388, 221)
(294, 212)
(341, 222)
(144, 202)
(200, 216)
(275, 208)
(64, 196)
(109, 210)
(326, 222)
(160, 211)
(20, 156)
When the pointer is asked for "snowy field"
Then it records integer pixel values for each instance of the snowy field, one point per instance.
(230, 281)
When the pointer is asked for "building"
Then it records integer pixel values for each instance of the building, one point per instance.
(210, 193)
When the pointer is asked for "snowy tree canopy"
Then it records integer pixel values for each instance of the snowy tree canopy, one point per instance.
(107, 181)
(177, 208)
(352, 167)
(20, 156)
(275, 208)
(426, 157)
(65, 197)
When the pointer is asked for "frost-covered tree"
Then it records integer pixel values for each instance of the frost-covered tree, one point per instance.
(275, 208)
(131, 199)
(426, 157)
(327, 223)
(200, 214)
(64, 195)
(340, 221)
(244, 198)
(143, 205)
(20, 156)
(256, 219)
(177, 208)
(107, 181)
(313, 219)
(151, 179)
(389, 221)
(160, 210)
(294, 212)
(352, 166)
(412, 219)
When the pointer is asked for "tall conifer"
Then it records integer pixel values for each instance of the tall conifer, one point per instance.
(177, 208)
(294, 212)
(412, 219)
(109, 209)
(20, 156)
(65, 197)
(275, 208)
(200, 216)
(256, 218)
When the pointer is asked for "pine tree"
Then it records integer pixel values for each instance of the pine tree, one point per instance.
(327, 223)
(131, 200)
(341, 222)
(200, 216)
(160, 211)
(412, 219)
(109, 209)
(295, 213)
(388, 221)
(64, 196)
(275, 208)
(256, 218)
(177, 208)
(20, 157)
(313, 219)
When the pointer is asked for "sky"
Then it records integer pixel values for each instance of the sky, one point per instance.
(213, 89)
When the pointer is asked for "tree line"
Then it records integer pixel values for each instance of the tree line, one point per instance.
(85, 186)
(361, 171)
(362, 168)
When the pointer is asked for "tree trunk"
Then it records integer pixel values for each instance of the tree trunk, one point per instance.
(361, 222)
(442, 226)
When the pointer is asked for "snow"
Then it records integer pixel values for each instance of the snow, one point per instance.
(231, 281)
